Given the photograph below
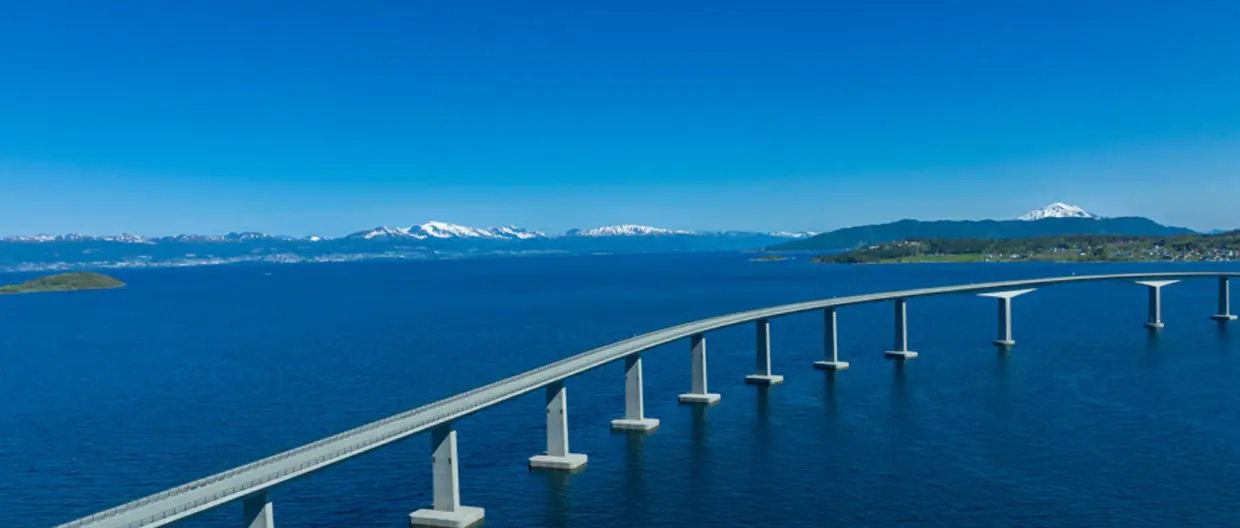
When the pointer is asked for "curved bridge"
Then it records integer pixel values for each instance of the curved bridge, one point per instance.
(251, 481)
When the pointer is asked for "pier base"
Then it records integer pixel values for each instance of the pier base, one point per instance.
(1223, 317)
(901, 354)
(698, 393)
(463, 517)
(557, 455)
(446, 509)
(709, 398)
(1154, 326)
(1005, 342)
(634, 402)
(764, 379)
(567, 462)
(831, 365)
(625, 424)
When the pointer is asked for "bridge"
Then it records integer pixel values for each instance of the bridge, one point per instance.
(250, 483)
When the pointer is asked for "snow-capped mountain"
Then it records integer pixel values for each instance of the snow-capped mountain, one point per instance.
(516, 232)
(251, 236)
(626, 230)
(1057, 210)
(127, 239)
(30, 238)
(385, 233)
(444, 230)
(792, 234)
(192, 238)
(74, 237)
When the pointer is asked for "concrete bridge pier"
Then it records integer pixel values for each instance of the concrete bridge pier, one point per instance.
(762, 370)
(1224, 301)
(1004, 340)
(900, 350)
(446, 510)
(258, 512)
(698, 392)
(830, 344)
(557, 456)
(634, 403)
(1154, 322)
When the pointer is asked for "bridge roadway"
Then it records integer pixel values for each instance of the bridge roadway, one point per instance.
(195, 497)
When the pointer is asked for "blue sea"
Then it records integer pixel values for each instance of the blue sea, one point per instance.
(107, 396)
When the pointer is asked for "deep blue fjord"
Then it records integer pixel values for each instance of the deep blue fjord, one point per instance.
(107, 396)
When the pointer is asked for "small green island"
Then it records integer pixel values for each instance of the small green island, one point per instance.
(769, 258)
(64, 282)
(1220, 247)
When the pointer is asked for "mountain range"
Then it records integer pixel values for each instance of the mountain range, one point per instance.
(428, 231)
(431, 240)
(441, 240)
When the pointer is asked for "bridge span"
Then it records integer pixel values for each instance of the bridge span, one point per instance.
(250, 483)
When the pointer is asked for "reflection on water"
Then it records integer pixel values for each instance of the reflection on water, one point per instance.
(763, 400)
(829, 393)
(763, 429)
(1153, 348)
(632, 503)
(558, 503)
(699, 449)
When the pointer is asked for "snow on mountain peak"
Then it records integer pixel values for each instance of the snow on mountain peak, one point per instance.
(627, 230)
(1057, 210)
(127, 238)
(444, 230)
(383, 232)
(516, 232)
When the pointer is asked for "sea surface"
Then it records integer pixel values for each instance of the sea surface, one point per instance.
(107, 396)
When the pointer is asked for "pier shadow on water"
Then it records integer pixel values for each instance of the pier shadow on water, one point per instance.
(699, 448)
(1154, 348)
(763, 445)
(559, 504)
(635, 475)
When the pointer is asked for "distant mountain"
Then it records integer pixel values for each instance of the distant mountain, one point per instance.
(853, 237)
(1056, 210)
(626, 230)
(424, 241)
(444, 230)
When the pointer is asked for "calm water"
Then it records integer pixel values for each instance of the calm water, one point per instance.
(108, 396)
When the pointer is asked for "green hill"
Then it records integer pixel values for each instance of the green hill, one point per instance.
(854, 237)
(64, 282)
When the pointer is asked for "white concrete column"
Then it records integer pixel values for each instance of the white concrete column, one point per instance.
(699, 393)
(762, 368)
(258, 512)
(1004, 340)
(557, 455)
(446, 509)
(900, 349)
(830, 344)
(1154, 321)
(634, 403)
(1224, 301)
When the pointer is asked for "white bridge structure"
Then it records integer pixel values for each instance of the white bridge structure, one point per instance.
(250, 483)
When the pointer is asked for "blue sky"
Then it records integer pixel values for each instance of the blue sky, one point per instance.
(325, 117)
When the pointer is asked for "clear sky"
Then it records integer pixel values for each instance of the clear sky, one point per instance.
(304, 117)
